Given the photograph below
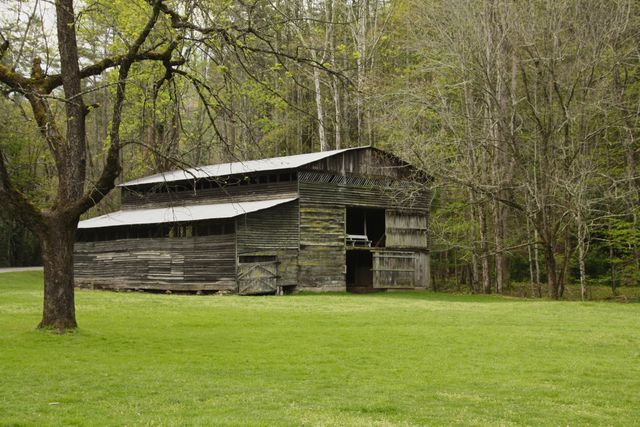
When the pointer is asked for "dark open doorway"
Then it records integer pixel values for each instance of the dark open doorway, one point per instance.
(359, 275)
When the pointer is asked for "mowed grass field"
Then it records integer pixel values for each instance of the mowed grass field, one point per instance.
(333, 359)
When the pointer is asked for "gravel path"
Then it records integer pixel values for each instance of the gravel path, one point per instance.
(16, 269)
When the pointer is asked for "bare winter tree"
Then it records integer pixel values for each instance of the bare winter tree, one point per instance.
(522, 111)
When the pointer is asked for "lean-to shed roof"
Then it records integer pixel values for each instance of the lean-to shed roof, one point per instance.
(249, 166)
(179, 213)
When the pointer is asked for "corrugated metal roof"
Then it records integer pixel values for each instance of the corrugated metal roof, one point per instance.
(179, 213)
(274, 163)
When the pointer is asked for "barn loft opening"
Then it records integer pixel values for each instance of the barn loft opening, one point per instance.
(365, 227)
(156, 231)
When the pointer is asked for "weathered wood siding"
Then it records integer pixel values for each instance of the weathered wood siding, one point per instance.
(392, 269)
(327, 187)
(407, 229)
(402, 270)
(364, 162)
(231, 193)
(276, 227)
(189, 264)
(423, 270)
(272, 232)
(321, 260)
(361, 191)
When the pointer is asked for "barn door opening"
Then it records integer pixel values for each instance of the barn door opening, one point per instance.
(359, 278)
(365, 227)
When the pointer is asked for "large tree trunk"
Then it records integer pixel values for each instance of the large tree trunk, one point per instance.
(58, 235)
(72, 169)
(57, 257)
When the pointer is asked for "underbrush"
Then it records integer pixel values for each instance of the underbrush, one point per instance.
(595, 292)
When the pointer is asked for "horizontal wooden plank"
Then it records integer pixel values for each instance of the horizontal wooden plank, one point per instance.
(272, 228)
(348, 195)
(169, 263)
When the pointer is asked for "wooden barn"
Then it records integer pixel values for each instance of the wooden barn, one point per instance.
(353, 219)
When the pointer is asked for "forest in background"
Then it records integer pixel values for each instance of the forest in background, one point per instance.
(526, 115)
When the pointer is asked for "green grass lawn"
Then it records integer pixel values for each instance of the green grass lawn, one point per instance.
(332, 359)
